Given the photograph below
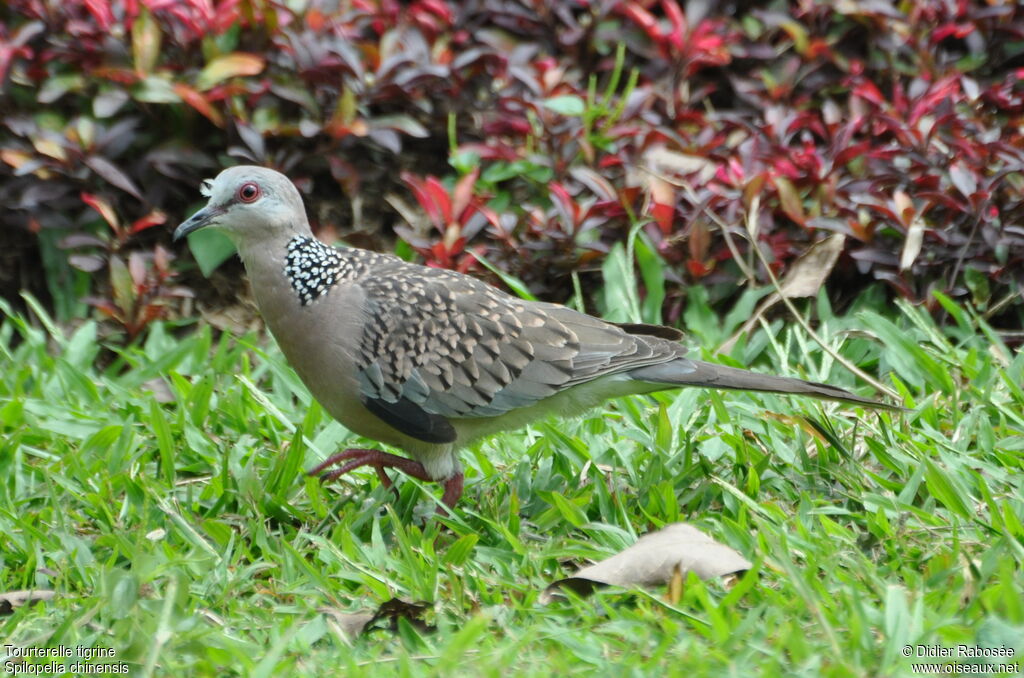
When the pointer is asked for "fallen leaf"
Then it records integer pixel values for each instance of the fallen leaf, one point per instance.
(238, 318)
(12, 599)
(351, 624)
(354, 624)
(664, 161)
(654, 559)
(803, 279)
(811, 269)
(160, 390)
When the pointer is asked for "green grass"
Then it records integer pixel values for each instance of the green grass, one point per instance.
(184, 535)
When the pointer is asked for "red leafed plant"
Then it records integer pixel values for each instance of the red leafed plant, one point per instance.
(537, 134)
(138, 289)
(458, 215)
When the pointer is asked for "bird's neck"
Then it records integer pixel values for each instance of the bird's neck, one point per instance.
(299, 266)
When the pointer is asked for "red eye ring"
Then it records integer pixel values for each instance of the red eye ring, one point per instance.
(249, 192)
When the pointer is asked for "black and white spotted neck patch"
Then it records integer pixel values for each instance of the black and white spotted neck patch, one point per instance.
(312, 268)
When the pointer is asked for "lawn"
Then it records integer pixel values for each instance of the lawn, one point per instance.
(161, 498)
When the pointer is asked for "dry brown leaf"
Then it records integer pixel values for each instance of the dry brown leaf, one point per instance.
(12, 599)
(803, 279)
(809, 272)
(661, 160)
(351, 624)
(653, 560)
(912, 243)
(675, 586)
(354, 624)
(237, 318)
(160, 390)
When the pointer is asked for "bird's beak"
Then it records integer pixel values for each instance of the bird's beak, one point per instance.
(203, 217)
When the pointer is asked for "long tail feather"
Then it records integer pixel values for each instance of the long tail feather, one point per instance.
(685, 372)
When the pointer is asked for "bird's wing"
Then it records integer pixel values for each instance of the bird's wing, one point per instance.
(438, 345)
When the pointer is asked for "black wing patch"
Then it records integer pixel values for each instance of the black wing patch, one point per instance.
(412, 420)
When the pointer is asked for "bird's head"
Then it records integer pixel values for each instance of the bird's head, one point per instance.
(249, 204)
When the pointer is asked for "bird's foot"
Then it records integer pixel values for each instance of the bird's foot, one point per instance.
(351, 459)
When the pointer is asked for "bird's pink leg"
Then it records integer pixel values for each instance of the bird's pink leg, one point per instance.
(452, 490)
(351, 459)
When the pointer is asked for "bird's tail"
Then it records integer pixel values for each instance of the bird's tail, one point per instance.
(685, 372)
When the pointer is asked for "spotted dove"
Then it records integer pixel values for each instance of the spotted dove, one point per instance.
(426, 359)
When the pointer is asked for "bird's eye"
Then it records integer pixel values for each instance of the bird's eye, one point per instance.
(248, 192)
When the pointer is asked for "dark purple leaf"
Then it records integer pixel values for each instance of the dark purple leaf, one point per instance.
(112, 174)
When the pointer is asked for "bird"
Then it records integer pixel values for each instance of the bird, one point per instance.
(426, 359)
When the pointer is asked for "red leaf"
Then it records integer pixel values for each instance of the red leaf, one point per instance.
(677, 36)
(315, 20)
(199, 102)
(662, 201)
(645, 19)
(663, 216)
(123, 76)
(104, 305)
(565, 205)
(867, 90)
(696, 268)
(104, 208)
(493, 218)
(101, 12)
(950, 29)
(423, 197)
(435, 189)
(489, 152)
(439, 8)
(440, 255)
(849, 153)
(463, 192)
(154, 218)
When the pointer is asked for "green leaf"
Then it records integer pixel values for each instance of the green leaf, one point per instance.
(229, 66)
(122, 285)
(619, 294)
(699, 319)
(164, 440)
(401, 123)
(572, 513)
(465, 162)
(568, 104)
(514, 283)
(652, 270)
(210, 248)
(155, 90)
(941, 485)
(145, 42)
(459, 552)
(790, 200)
(56, 87)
